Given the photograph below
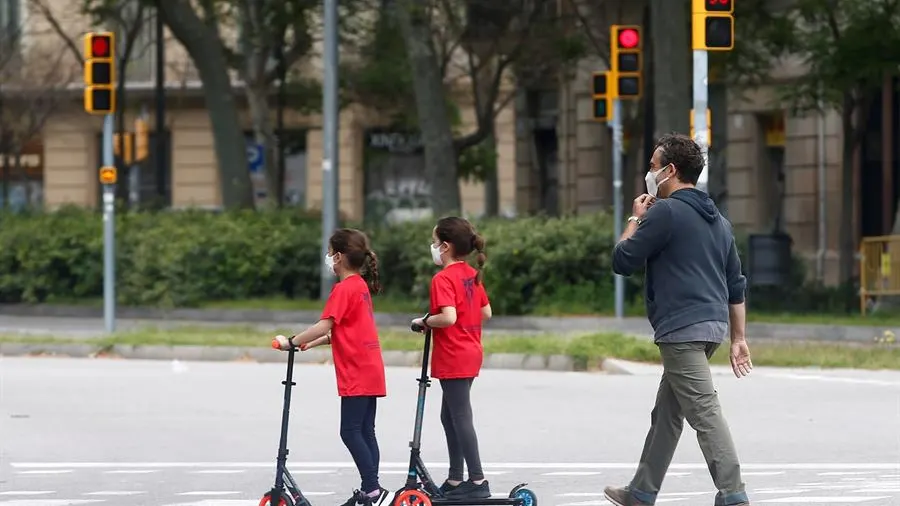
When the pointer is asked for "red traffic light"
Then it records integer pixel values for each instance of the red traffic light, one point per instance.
(629, 38)
(718, 5)
(100, 45)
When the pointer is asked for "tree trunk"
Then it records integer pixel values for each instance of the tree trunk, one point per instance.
(431, 107)
(671, 75)
(845, 231)
(204, 48)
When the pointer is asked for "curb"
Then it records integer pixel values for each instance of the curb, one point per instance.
(637, 327)
(515, 361)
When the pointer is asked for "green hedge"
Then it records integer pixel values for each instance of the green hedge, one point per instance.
(183, 258)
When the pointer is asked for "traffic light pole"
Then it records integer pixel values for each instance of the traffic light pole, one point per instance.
(701, 101)
(330, 165)
(617, 196)
(109, 231)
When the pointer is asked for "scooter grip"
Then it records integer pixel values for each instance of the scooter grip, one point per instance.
(275, 344)
(415, 327)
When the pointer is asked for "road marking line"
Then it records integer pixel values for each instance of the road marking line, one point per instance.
(131, 471)
(761, 473)
(572, 473)
(219, 471)
(208, 492)
(402, 465)
(28, 492)
(53, 502)
(833, 379)
(47, 471)
(116, 492)
(846, 473)
(892, 490)
(833, 499)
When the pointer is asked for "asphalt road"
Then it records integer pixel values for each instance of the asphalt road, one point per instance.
(134, 433)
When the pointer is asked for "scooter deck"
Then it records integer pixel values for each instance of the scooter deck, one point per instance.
(493, 501)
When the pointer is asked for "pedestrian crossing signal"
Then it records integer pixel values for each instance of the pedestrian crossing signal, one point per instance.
(712, 25)
(99, 73)
(600, 96)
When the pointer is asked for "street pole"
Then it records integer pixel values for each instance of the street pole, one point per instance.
(330, 163)
(701, 103)
(109, 230)
(617, 196)
(161, 144)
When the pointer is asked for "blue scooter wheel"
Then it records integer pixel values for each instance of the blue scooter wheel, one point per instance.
(527, 496)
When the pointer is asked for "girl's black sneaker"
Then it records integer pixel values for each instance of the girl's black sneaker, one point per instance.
(471, 490)
(447, 487)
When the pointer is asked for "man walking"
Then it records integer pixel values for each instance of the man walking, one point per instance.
(694, 289)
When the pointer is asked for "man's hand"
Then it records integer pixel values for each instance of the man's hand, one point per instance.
(641, 204)
(740, 358)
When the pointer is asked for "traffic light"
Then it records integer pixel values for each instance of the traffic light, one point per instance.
(712, 25)
(100, 73)
(625, 59)
(602, 109)
(128, 157)
(141, 140)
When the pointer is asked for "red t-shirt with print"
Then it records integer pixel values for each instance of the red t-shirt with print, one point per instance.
(458, 352)
(358, 363)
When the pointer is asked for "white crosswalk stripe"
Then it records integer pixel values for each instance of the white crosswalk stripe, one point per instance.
(556, 484)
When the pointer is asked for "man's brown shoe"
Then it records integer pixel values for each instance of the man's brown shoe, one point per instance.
(622, 497)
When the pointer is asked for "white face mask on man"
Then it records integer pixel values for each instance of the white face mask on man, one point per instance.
(652, 185)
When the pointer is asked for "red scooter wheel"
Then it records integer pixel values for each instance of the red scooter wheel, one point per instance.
(267, 501)
(412, 498)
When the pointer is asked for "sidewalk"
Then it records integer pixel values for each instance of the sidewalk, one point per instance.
(87, 322)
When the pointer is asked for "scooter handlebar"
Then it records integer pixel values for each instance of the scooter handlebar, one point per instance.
(275, 344)
(415, 327)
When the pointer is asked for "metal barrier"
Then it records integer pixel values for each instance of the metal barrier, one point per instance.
(879, 268)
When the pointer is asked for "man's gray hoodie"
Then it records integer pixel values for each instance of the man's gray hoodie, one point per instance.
(693, 269)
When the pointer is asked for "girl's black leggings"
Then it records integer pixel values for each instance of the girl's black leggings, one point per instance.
(358, 434)
(456, 416)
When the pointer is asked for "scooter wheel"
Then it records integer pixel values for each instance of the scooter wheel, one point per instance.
(412, 498)
(267, 500)
(527, 496)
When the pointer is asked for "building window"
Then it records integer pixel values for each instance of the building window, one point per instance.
(22, 177)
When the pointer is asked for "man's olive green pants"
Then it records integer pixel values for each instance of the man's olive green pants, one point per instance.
(686, 391)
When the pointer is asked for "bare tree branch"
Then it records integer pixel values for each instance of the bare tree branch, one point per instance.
(44, 9)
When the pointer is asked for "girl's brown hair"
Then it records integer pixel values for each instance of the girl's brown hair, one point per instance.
(354, 245)
(461, 235)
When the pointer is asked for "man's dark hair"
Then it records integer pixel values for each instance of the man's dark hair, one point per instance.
(682, 152)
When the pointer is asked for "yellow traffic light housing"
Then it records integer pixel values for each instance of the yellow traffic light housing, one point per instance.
(100, 73)
(712, 25)
(141, 140)
(626, 62)
(601, 97)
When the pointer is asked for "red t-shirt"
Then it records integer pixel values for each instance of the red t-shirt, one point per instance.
(458, 352)
(358, 364)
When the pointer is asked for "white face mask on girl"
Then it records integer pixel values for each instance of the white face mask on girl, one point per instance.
(329, 263)
(650, 179)
(436, 255)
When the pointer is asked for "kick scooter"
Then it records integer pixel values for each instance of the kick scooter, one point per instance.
(420, 489)
(286, 492)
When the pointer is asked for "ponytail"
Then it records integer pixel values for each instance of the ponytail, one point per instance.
(480, 257)
(372, 272)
